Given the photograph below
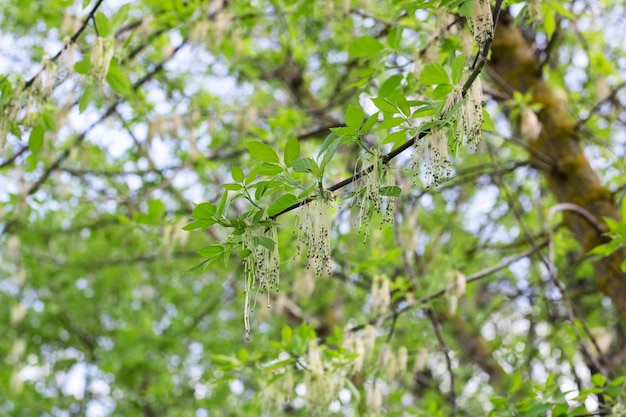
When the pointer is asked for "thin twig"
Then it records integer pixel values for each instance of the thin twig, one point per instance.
(595, 108)
(583, 212)
(109, 111)
(446, 352)
(73, 39)
(470, 278)
(406, 145)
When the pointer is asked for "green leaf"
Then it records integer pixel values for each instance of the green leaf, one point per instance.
(458, 65)
(391, 191)
(35, 140)
(286, 334)
(467, 8)
(384, 105)
(536, 410)
(394, 37)
(261, 188)
(269, 169)
(237, 173)
(434, 74)
(598, 380)
(120, 16)
(199, 224)
(488, 123)
(354, 116)
(156, 209)
(369, 123)
(211, 251)
(221, 209)
(280, 364)
(549, 21)
(198, 266)
(281, 203)
(394, 137)
(390, 86)
(243, 355)
(516, 382)
(442, 91)
(117, 79)
(328, 155)
(232, 186)
(333, 136)
(560, 410)
(102, 24)
(292, 150)
(85, 99)
(204, 211)
(306, 165)
(365, 46)
(391, 122)
(82, 67)
(262, 152)
(266, 242)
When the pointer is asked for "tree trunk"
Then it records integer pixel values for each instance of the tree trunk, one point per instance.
(572, 180)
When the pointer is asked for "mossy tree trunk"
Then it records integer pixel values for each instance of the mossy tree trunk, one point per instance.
(571, 178)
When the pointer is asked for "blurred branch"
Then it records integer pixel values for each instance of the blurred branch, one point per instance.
(73, 39)
(477, 276)
(81, 137)
(610, 98)
(446, 352)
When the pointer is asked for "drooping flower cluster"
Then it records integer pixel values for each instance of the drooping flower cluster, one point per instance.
(466, 128)
(369, 198)
(470, 115)
(482, 21)
(261, 267)
(68, 55)
(380, 295)
(361, 346)
(101, 55)
(432, 152)
(373, 399)
(314, 232)
(322, 385)
(278, 391)
(533, 9)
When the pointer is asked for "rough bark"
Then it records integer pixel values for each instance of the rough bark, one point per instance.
(572, 179)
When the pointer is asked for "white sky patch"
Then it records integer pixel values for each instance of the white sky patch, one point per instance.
(236, 387)
(479, 207)
(116, 142)
(73, 383)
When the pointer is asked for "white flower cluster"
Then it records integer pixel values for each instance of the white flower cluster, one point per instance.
(392, 364)
(380, 298)
(261, 269)
(368, 198)
(470, 116)
(278, 392)
(314, 232)
(373, 399)
(322, 386)
(533, 9)
(361, 345)
(432, 151)
(101, 55)
(482, 21)
(68, 55)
